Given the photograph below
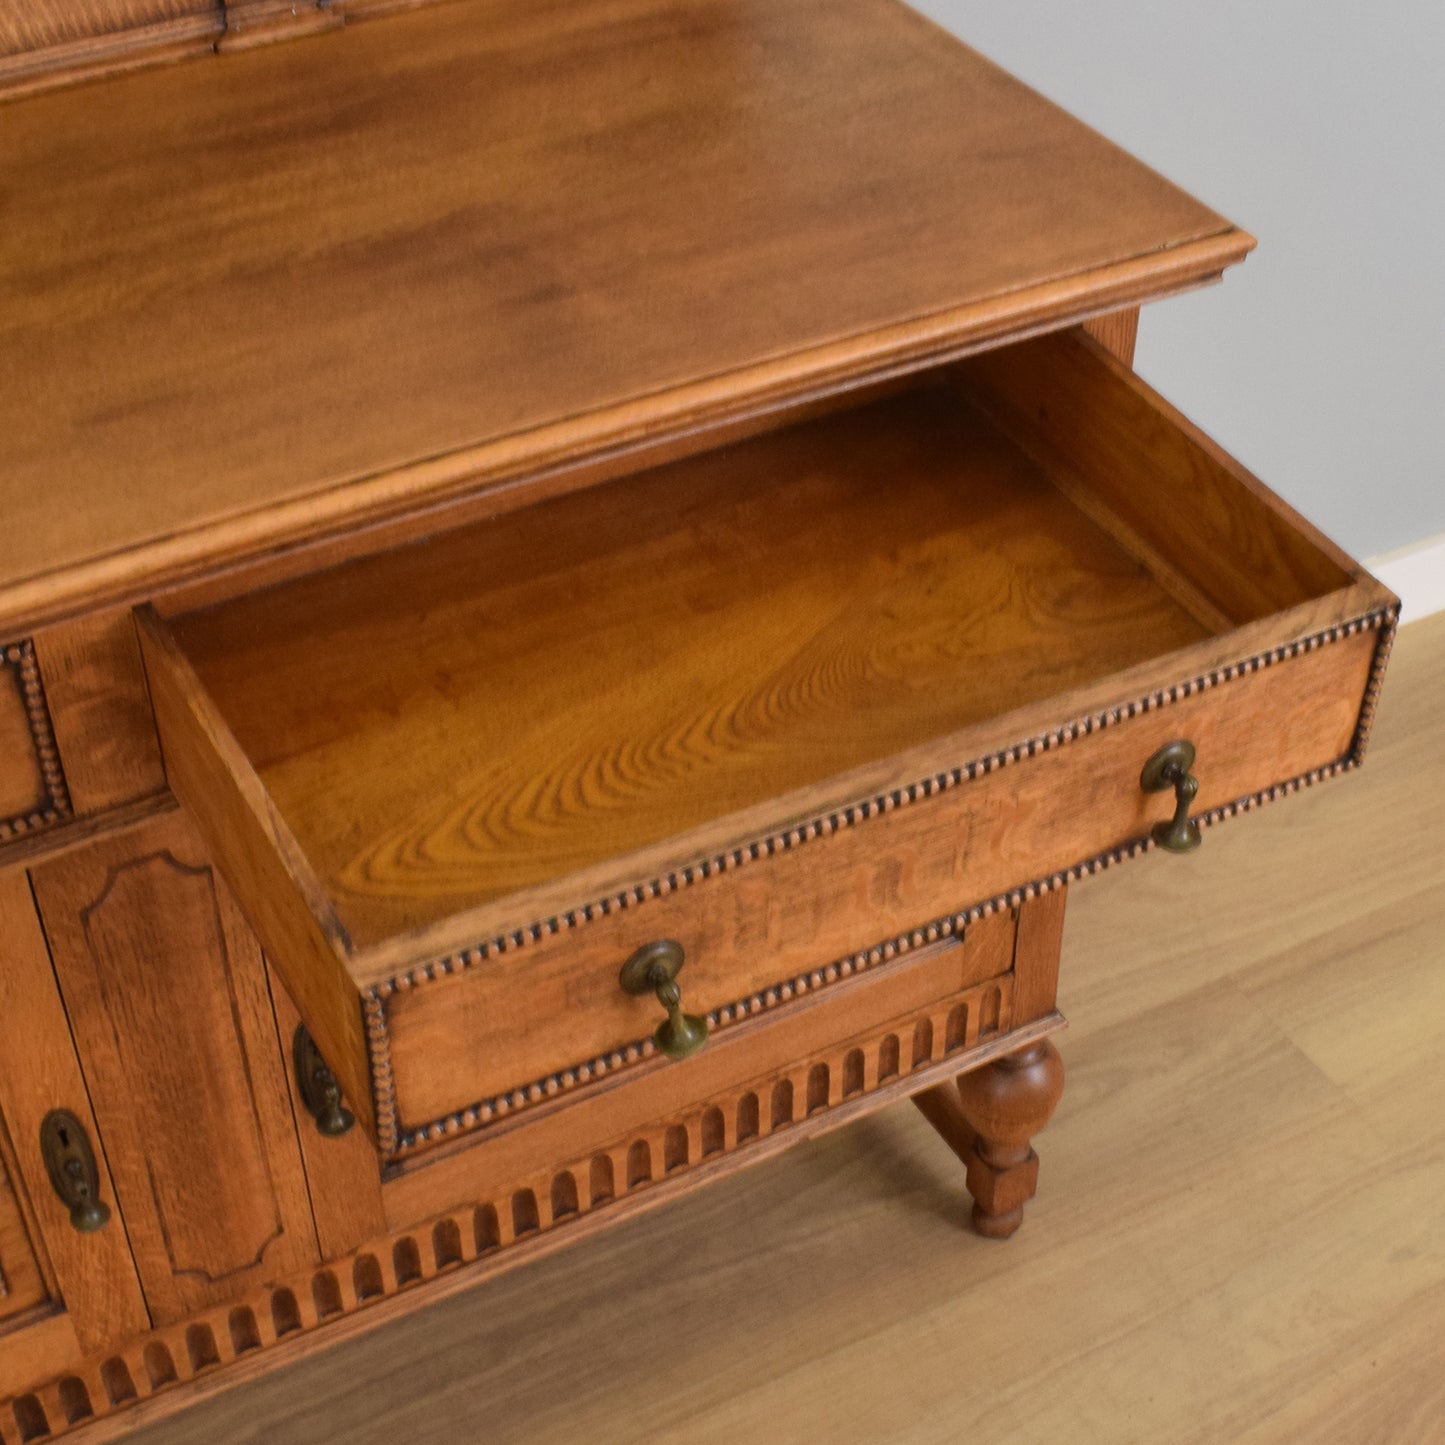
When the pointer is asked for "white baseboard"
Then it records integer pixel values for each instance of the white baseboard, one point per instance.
(1416, 575)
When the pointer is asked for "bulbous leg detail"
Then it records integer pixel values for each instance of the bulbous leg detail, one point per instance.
(1006, 1103)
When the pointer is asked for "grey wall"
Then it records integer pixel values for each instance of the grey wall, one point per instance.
(1319, 127)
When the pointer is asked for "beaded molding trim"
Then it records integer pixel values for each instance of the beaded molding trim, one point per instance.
(522, 1217)
(486, 1110)
(394, 1137)
(19, 658)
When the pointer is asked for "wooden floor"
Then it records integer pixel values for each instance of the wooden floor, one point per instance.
(1239, 1237)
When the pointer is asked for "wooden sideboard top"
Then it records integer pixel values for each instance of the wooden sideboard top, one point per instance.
(284, 292)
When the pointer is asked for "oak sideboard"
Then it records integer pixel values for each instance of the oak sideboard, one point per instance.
(578, 581)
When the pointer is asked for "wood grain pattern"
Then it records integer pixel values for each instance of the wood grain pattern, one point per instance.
(73, 833)
(167, 995)
(748, 939)
(1236, 1237)
(943, 1108)
(95, 1272)
(219, 780)
(431, 519)
(446, 725)
(100, 711)
(899, 678)
(549, 267)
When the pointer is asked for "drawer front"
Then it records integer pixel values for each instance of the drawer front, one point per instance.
(93, 1273)
(522, 1019)
(808, 1064)
(514, 1027)
(32, 786)
(76, 731)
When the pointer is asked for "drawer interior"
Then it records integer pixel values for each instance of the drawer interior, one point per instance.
(455, 784)
(455, 722)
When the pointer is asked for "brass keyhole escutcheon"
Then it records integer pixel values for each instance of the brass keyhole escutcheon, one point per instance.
(1170, 768)
(654, 969)
(74, 1174)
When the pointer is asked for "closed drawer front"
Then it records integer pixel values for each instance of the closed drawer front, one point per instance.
(755, 945)
(804, 705)
(76, 732)
(813, 1063)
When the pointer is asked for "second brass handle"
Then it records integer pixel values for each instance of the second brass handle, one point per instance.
(1170, 768)
(654, 969)
(319, 1089)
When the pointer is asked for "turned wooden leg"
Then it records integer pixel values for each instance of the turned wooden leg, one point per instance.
(1006, 1103)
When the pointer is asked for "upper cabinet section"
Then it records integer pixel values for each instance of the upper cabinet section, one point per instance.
(484, 240)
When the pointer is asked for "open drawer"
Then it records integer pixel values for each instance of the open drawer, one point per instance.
(802, 704)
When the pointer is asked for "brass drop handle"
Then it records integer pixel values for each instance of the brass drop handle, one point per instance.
(74, 1174)
(654, 969)
(1170, 768)
(318, 1087)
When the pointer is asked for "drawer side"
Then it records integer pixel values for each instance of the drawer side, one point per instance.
(1208, 529)
(267, 872)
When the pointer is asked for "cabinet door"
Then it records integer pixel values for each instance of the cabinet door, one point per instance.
(36, 1337)
(167, 997)
(22, 1286)
(69, 1293)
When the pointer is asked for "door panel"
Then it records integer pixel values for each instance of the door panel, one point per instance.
(22, 1286)
(94, 1273)
(167, 994)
